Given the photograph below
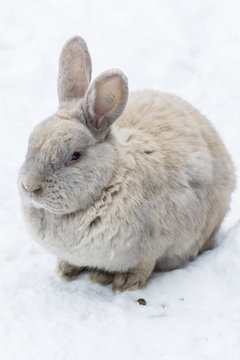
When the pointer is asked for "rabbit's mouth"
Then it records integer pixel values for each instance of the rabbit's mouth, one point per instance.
(38, 201)
(30, 198)
(40, 204)
(52, 208)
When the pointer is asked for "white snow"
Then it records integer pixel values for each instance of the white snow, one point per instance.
(190, 48)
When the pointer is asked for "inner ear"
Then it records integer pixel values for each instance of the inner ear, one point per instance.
(108, 96)
(105, 101)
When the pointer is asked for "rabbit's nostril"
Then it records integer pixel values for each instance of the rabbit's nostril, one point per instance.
(38, 190)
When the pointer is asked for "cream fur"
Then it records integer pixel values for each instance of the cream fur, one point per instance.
(166, 180)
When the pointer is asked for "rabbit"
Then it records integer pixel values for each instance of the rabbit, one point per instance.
(122, 185)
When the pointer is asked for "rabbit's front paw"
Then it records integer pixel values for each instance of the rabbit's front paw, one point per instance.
(68, 271)
(130, 280)
(101, 277)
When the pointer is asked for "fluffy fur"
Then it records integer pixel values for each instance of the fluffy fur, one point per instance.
(148, 192)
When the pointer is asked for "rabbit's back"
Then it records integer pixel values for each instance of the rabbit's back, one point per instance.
(165, 126)
(168, 119)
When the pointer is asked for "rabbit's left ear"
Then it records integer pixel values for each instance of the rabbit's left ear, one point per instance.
(74, 70)
(105, 101)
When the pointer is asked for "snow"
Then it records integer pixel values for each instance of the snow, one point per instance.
(190, 48)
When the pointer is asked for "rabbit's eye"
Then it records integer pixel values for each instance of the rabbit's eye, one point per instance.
(75, 156)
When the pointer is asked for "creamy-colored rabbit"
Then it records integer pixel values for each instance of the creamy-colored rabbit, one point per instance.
(147, 192)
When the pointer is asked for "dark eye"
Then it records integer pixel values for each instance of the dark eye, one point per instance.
(75, 156)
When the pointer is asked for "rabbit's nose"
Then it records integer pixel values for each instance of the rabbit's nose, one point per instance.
(33, 188)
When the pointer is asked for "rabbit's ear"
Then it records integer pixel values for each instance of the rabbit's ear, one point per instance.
(105, 101)
(74, 69)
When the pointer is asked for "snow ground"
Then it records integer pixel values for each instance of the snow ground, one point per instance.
(191, 48)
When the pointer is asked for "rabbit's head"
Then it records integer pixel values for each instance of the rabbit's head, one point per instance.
(72, 155)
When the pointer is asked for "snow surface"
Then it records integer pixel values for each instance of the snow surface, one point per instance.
(190, 48)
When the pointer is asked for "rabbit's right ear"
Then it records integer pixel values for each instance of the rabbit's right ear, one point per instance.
(74, 69)
(105, 101)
